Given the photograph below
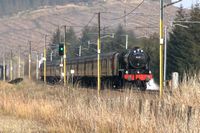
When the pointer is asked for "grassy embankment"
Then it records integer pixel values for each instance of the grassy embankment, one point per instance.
(58, 109)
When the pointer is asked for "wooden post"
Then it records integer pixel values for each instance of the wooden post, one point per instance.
(175, 82)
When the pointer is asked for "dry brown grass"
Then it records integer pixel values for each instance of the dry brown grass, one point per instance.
(59, 109)
(188, 92)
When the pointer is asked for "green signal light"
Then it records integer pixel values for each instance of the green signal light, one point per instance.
(61, 49)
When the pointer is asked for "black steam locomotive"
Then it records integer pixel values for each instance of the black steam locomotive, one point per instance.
(117, 69)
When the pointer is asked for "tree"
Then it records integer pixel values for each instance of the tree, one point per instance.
(118, 43)
(177, 47)
(89, 34)
(72, 42)
(183, 49)
(195, 30)
(151, 47)
(54, 45)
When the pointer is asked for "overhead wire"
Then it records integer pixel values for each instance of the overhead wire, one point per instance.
(72, 25)
(127, 14)
(91, 19)
(88, 23)
(130, 13)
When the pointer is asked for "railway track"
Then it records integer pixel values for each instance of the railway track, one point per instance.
(113, 91)
(139, 91)
(134, 90)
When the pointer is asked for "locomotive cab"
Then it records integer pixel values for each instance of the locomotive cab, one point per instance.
(134, 67)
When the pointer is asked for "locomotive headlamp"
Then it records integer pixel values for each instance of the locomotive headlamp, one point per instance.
(138, 72)
(142, 51)
(72, 71)
(150, 72)
(134, 51)
(126, 72)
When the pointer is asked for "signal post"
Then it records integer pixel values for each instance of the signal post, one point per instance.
(65, 57)
(98, 56)
(161, 47)
(61, 53)
(37, 66)
(4, 68)
(29, 60)
(19, 63)
(11, 66)
(162, 6)
(45, 64)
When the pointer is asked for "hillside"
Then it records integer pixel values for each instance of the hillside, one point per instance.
(9, 7)
(33, 24)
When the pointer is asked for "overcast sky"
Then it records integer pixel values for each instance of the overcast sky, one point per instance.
(186, 3)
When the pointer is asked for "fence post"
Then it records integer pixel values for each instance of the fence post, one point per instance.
(147, 108)
(140, 106)
(175, 81)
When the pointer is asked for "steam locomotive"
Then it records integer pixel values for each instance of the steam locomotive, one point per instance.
(117, 69)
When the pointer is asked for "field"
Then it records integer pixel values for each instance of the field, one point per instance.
(31, 107)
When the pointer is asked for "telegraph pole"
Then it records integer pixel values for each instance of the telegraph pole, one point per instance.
(11, 66)
(37, 67)
(162, 6)
(65, 56)
(4, 68)
(19, 63)
(61, 57)
(61, 67)
(23, 66)
(125, 18)
(29, 65)
(45, 65)
(98, 56)
(79, 53)
(126, 41)
(165, 57)
(125, 22)
(161, 47)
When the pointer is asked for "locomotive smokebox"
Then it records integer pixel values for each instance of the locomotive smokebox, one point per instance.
(136, 58)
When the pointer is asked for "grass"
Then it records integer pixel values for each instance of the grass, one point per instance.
(59, 109)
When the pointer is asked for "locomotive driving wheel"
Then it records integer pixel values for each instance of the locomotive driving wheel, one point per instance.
(141, 85)
(117, 83)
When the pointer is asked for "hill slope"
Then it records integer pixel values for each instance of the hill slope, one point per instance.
(8, 7)
(32, 25)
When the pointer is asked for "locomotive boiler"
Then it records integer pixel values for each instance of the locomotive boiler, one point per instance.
(134, 66)
(117, 69)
